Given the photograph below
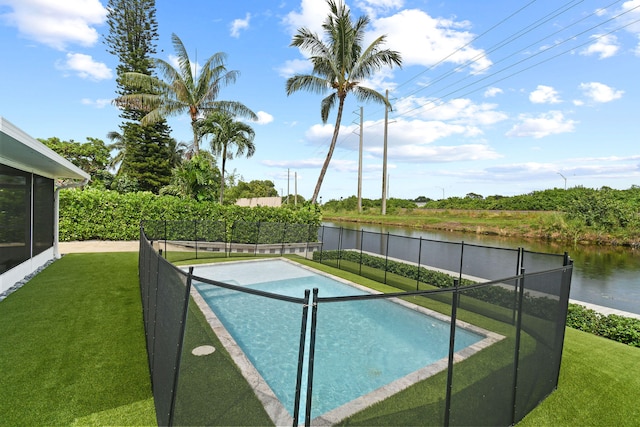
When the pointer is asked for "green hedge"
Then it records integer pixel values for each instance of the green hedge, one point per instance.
(92, 214)
(433, 278)
(618, 328)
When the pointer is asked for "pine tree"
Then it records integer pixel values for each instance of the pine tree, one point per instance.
(133, 31)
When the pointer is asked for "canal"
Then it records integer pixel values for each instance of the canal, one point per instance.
(602, 275)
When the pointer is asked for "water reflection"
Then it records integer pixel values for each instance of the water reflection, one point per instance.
(608, 276)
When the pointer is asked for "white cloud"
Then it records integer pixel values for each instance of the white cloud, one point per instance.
(492, 92)
(544, 95)
(295, 66)
(437, 154)
(371, 8)
(264, 118)
(545, 124)
(85, 67)
(97, 103)
(420, 38)
(599, 92)
(424, 40)
(57, 23)
(630, 18)
(336, 164)
(311, 15)
(240, 24)
(460, 110)
(574, 169)
(605, 46)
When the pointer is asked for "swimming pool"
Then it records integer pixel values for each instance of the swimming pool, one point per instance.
(365, 350)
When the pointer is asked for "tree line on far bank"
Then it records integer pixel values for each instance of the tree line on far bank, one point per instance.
(606, 208)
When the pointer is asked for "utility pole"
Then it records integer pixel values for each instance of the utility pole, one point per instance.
(384, 155)
(288, 191)
(295, 186)
(360, 164)
(565, 180)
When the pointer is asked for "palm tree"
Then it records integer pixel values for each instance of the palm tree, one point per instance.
(180, 91)
(117, 143)
(226, 132)
(340, 64)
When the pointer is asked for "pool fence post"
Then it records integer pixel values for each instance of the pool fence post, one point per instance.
(361, 240)
(516, 352)
(233, 227)
(565, 287)
(386, 259)
(515, 293)
(321, 243)
(255, 250)
(183, 324)
(339, 247)
(284, 234)
(419, 260)
(307, 238)
(226, 237)
(303, 334)
(452, 341)
(155, 311)
(312, 351)
(195, 235)
(461, 260)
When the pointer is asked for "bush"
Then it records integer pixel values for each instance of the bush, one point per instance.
(108, 215)
(618, 328)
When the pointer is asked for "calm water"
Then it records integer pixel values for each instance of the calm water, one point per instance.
(606, 276)
(360, 345)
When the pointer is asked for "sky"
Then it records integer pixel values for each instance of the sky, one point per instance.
(493, 97)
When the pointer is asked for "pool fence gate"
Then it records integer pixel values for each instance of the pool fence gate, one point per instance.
(518, 298)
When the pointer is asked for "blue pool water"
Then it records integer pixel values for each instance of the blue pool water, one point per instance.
(360, 345)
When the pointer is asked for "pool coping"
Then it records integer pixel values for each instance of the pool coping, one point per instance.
(272, 405)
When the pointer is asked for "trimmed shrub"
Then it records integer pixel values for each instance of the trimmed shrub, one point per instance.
(618, 328)
(108, 215)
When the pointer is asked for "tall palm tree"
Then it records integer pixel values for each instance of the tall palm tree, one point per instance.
(339, 64)
(227, 133)
(180, 91)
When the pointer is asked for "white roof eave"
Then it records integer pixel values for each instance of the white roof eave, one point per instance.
(21, 151)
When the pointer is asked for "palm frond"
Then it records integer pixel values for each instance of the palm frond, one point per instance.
(183, 60)
(326, 105)
(365, 94)
(307, 82)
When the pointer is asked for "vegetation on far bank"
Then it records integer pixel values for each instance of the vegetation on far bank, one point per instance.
(578, 215)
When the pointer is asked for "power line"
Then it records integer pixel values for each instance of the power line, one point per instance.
(545, 50)
(508, 40)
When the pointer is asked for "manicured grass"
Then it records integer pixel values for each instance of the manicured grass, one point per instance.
(72, 346)
(72, 351)
(599, 385)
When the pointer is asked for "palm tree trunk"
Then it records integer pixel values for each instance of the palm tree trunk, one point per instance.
(224, 158)
(332, 146)
(196, 139)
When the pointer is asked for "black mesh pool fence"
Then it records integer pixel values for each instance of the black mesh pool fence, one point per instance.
(518, 316)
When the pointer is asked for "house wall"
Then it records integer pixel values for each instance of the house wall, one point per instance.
(27, 216)
(260, 201)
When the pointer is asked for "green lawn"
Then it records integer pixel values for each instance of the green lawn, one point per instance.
(72, 348)
(72, 352)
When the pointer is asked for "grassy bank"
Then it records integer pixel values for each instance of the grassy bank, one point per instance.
(535, 225)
